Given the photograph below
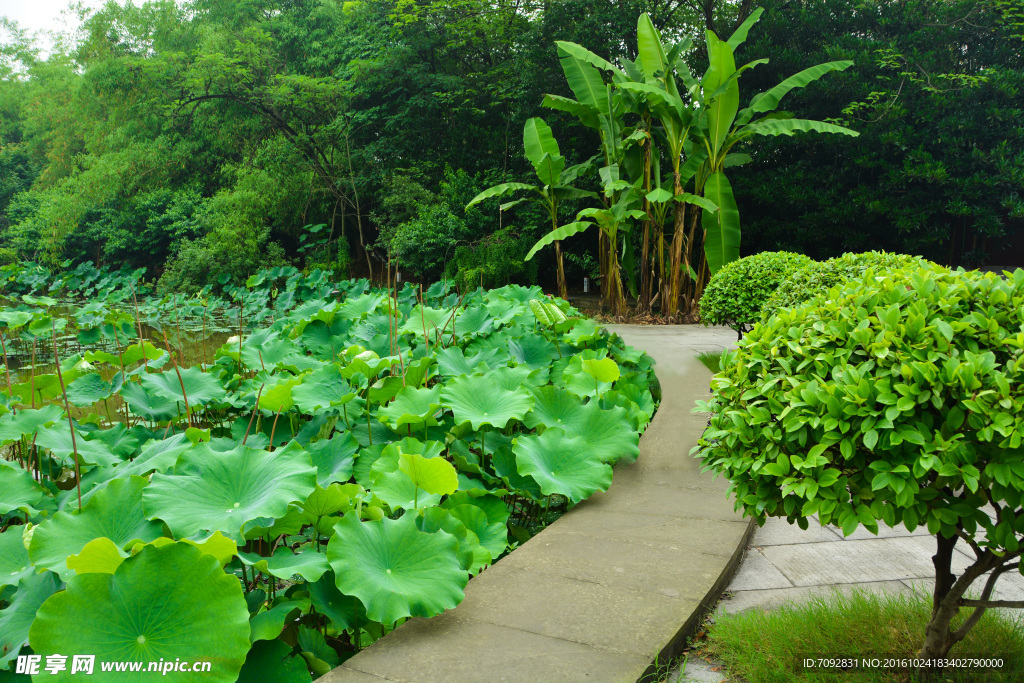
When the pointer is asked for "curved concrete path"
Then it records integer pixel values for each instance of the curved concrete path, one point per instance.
(614, 586)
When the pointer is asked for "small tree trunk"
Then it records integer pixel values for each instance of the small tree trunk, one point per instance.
(645, 271)
(561, 270)
(671, 304)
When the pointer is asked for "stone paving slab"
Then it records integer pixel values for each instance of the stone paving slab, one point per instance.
(615, 584)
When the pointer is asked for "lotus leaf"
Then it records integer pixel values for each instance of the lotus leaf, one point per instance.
(14, 562)
(16, 619)
(561, 464)
(395, 569)
(271, 660)
(164, 603)
(18, 490)
(114, 512)
(200, 387)
(479, 400)
(411, 407)
(222, 491)
(284, 563)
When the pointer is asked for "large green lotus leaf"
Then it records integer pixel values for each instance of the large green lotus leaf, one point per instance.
(18, 490)
(288, 524)
(354, 308)
(583, 331)
(581, 382)
(14, 562)
(325, 341)
(277, 395)
(433, 475)
(268, 623)
(336, 498)
(57, 439)
(323, 388)
(395, 487)
(385, 389)
(452, 361)
(222, 491)
(492, 536)
(607, 434)
(285, 564)
(333, 458)
(475, 321)
(201, 387)
(602, 369)
(272, 660)
(90, 388)
(27, 421)
(411, 406)
(554, 407)
(155, 456)
(121, 442)
(472, 555)
(494, 507)
(16, 619)
(165, 603)
(100, 555)
(561, 464)
(149, 404)
(114, 512)
(395, 569)
(506, 467)
(433, 319)
(266, 349)
(345, 611)
(533, 351)
(638, 404)
(515, 377)
(479, 400)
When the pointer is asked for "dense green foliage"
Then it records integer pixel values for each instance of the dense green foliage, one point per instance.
(818, 277)
(737, 292)
(937, 93)
(895, 399)
(203, 136)
(340, 465)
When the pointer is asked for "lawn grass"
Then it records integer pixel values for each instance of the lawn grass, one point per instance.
(769, 646)
(712, 360)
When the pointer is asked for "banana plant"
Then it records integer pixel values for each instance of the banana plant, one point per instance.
(725, 125)
(556, 180)
(610, 221)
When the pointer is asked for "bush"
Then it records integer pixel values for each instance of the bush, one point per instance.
(736, 292)
(896, 398)
(494, 261)
(817, 277)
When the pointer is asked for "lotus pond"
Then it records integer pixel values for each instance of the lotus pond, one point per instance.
(274, 477)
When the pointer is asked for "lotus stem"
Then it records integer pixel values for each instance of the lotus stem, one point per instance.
(32, 375)
(274, 427)
(67, 409)
(254, 410)
(188, 413)
(7, 371)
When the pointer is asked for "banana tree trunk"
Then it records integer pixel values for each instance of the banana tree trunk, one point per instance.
(561, 270)
(644, 305)
(691, 297)
(671, 304)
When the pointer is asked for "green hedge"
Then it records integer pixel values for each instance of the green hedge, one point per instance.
(818, 277)
(737, 292)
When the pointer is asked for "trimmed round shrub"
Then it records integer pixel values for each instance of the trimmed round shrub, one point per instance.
(736, 292)
(896, 399)
(818, 277)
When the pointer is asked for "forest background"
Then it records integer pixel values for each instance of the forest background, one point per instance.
(200, 137)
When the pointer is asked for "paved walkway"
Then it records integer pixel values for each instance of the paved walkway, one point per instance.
(609, 588)
(784, 564)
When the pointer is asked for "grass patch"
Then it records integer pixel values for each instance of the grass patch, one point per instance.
(769, 646)
(712, 360)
